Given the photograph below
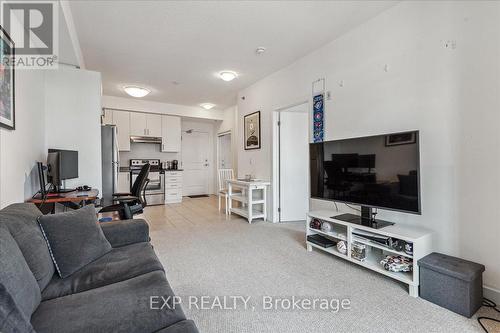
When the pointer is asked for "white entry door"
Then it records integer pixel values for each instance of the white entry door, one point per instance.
(294, 164)
(195, 162)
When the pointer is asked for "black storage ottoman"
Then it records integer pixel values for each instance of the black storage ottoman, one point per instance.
(452, 283)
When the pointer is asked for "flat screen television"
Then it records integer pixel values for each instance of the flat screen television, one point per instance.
(381, 171)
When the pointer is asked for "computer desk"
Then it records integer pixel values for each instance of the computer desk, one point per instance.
(79, 198)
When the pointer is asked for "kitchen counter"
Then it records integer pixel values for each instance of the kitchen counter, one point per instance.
(127, 169)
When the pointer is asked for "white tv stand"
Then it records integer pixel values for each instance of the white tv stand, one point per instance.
(375, 252)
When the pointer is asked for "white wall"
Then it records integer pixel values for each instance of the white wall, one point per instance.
(22, 148)
(73, 109)
(130, 104)
(451, 94)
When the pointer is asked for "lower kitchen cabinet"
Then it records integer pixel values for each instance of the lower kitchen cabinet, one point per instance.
(173, 186)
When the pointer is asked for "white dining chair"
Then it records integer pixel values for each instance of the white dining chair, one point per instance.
(224, 175)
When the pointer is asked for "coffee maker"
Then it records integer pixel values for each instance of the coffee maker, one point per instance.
(175, 164)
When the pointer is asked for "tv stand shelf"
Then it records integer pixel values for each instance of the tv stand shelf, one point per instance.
(375, 252)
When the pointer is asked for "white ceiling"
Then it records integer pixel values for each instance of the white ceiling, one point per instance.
(156, 43)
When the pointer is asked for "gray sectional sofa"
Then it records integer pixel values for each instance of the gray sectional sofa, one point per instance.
(111, 294)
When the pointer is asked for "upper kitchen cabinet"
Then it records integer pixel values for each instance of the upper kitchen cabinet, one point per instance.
(122, 121)
(153, 122)
(145, 124)
(107, 118)
(138, 124)
(171, 134)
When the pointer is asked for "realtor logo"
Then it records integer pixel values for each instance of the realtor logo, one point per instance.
(32, 25)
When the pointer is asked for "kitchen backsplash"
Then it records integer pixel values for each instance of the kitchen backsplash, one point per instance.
(146, 150)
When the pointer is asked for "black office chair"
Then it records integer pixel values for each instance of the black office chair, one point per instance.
(131, 203)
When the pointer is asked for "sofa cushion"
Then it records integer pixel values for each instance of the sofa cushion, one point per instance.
(21, 220)
(12, 320)
(16, 276)
(119, 307)
(117, 265)
(75, 239)
(125, 232)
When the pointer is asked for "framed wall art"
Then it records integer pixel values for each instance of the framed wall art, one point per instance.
(398, 139)
(251, 125)
(7, 86)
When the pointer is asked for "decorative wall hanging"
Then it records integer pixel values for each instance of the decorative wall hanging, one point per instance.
(318, 121)
(7, 86)
(251, 125)
(318, 118)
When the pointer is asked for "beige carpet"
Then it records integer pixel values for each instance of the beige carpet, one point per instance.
(205, 253)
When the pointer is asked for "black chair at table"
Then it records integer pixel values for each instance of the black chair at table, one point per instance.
(133, 202)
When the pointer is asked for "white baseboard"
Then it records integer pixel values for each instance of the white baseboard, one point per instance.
(492, 294)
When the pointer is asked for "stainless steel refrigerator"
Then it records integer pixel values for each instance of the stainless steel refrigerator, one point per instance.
(110, 163)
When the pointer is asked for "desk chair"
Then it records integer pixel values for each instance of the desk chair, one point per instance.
(133, 202)
(223, 176)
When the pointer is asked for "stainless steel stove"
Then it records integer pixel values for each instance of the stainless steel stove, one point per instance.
(155, 189)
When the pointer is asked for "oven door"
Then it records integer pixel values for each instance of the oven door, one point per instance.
(155, 185)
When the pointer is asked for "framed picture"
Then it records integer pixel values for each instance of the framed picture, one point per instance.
(7, 100)
(397, 139)
(252, 130)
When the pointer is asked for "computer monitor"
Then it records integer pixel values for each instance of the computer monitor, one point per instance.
(41, 178)
(62, 165)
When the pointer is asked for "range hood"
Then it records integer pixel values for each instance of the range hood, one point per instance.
(145, 139)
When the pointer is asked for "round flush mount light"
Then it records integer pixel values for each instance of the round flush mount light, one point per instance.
(136, 91)
(228, 75)
(207, 106)
(260, 50)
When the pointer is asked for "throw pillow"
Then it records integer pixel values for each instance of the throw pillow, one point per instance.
(74, 238)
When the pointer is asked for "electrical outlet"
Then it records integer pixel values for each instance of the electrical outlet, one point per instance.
(450, 44)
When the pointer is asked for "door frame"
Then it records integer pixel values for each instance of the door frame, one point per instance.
(219, 135)
(276, 158)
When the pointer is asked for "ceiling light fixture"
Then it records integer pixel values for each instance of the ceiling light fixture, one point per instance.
(136, 91)
(207, 106)
(228, 75)
(260, 50)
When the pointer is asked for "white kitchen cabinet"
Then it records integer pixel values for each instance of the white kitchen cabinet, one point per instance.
(122, 121)
(123, 182)
(145, 124)
(173, 186)
(138, 124)
(107, 118)
(171, 134)
(153, 122)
